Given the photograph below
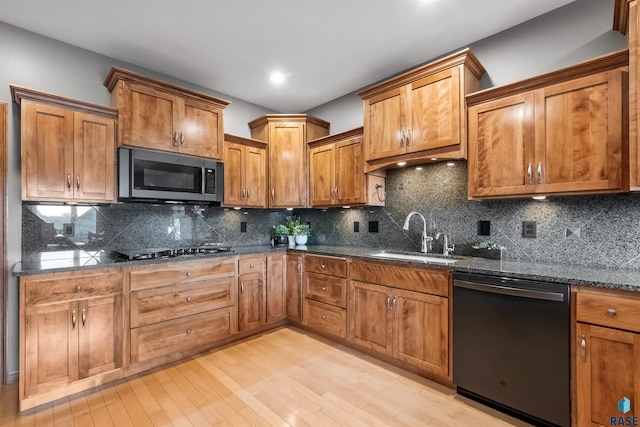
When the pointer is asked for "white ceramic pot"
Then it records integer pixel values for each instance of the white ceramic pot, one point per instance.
(292, 241)
(301, 240)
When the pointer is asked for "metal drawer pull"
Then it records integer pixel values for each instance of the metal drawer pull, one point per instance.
(611, 312)
(244, 193)
(324, 288)
(175, 138)
(408, 137)
(402, 140)
(388, 302)
(78, 181)
(530, 173)
(73, 319)
(583, 348)
(69, 181)
(299, 268)
(248, 194)
(323, 317)
(188, 331)
(394, 303)
(189, 273)
(181, 138)
(242, 288)
(84, 316)
(188, 299)
(273, 194)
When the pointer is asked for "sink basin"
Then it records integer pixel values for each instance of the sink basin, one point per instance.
(409, 257)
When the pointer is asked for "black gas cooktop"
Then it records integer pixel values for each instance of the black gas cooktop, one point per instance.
(151, 253)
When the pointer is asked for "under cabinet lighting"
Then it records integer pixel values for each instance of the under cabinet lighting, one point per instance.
(401, 163)
(434, 158)
(419, 168)
(289, 209)
(539, 197)
(346, 207)
(237, 208)
(451, 164)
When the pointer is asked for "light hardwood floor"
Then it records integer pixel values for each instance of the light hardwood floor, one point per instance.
(281, 378)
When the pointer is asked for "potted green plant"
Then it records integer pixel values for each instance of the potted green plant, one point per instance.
(292, 223)
(280, 233)
(302, 232)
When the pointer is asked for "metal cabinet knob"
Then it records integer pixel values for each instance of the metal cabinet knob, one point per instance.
(78, 288)
(323, 317)
(323, 266)
(612, 312)
(250, 265)
(188, 299)
(324, 288)
(189, 273)
(188, 331)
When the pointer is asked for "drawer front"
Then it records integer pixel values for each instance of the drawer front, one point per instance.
(251, 264)
(184, 334)
(325, 318)
(158, 304)
(614, 311)
(66, 287)
(172, 273)
(329, 289)
(325, 265)
(426, 280)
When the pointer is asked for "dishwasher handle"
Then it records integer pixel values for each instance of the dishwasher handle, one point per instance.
(507, 290)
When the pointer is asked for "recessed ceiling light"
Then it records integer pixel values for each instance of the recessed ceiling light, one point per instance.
(277, 78)
(401, 163)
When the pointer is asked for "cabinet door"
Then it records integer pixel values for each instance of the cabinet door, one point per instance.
(94, 158)
(276, 275)
(294, 287)
(349, 172)
(150, 122)
(251, 301)
(255, 177)
(100, 335)
(234, 172)
(47, 152)
(322, 175)
(501, 147)
(287, 179)
(607, 369)
(435, 111)
(579, 134)
(370, 317)
(421, 331)
(201, 129)
(51, 347)
(384, 124)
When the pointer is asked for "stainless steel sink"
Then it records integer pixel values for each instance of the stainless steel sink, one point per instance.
(414, 257)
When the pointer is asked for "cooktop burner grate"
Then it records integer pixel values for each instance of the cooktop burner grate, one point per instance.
(151, 253)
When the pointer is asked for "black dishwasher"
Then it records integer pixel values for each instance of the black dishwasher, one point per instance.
(511, 343)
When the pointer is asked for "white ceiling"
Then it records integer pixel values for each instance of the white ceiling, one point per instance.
(328, 48)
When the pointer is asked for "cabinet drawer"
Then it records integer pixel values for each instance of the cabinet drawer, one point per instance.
(182, 335)
(172, 273)
(170, 302)
(607, 310)
(325, 265)
(254, 264)
(52, 288)
(325, 318)
(426, 280)
(329, 289)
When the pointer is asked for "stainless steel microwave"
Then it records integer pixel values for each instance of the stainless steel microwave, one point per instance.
(154, 176)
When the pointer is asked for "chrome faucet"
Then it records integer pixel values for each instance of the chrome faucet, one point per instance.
(446, 249)
(426, 239)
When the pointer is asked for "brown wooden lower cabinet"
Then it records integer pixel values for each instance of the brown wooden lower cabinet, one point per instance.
(276, 287)
(69, 344)
(325, 318)
(607, 357)
(294, 287)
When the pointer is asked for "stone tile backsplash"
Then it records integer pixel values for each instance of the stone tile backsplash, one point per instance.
(609, 224)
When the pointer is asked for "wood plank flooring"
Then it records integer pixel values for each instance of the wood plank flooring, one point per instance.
(285, 377)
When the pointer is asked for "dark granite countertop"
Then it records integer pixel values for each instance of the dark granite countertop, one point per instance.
(50, 262)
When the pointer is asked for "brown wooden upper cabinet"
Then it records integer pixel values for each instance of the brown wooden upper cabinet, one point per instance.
(420, 114)
(67, 148)
(336, 172)
(245, 172)
(559, 133)
(286, 136)
(626, 19)
(160, 116)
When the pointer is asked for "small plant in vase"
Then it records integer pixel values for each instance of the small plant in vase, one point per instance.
(280, 233)
(302, 232)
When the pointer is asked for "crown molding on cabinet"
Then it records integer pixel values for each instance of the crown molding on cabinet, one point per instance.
(19, 93)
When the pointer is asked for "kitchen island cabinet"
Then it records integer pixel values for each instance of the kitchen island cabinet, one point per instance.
(161, 116)
(67, 148)
(559, 133)
(71, 332)
(420, 114)
(286, 136)
(401, 312)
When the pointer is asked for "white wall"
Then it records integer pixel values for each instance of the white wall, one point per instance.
(576, 32)
(45, 64)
